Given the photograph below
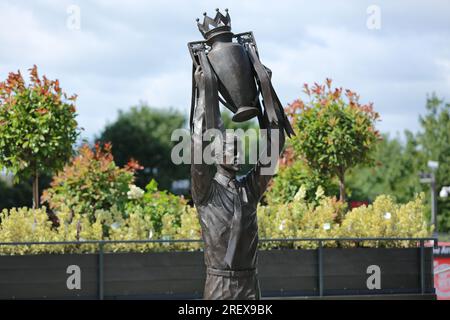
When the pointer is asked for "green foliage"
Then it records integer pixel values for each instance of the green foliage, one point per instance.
(33, 225)
(187, 228)
(91, 181)
(333, 133)
(135, 226)
(395, 172)
(290, 178)
(327, 219)
(143, 133)
(157, 204)
(434, 139)
(398, 163)
(301, 219)
(37, 125)
(324, 218)
(385, 218)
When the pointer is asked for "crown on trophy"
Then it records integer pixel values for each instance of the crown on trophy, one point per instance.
(214, 26)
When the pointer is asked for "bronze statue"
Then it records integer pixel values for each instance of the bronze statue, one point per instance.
(227, 69)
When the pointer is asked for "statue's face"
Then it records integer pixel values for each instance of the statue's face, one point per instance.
(232, 152)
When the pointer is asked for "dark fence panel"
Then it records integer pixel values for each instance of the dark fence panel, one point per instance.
(288, 272)
(346, 270)
(45, 276)
(170, 275)
(155, 275)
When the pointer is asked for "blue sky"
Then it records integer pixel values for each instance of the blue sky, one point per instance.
(130, 51)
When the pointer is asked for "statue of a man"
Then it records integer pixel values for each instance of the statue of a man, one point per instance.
(226, 204)
(227, 212)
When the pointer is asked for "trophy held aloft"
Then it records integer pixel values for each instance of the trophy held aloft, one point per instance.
(234, 72)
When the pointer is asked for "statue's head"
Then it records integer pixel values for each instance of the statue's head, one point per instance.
(231, 157)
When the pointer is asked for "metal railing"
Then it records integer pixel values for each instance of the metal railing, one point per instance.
(320, 242)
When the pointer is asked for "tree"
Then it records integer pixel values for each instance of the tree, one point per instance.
(37, 127)
(290, 178)
(91, 181)
(333, 133)
(143, 133)
(434, 140)
(395, 171)
(398, 163)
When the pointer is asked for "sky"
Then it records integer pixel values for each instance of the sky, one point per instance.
(115, 54)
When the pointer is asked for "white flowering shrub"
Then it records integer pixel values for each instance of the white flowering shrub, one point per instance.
(33, 225)
(320, 222)
(135, 193)
(385, 218)
(326, 218)
(300, 219)
(136, 227)
(189, 228)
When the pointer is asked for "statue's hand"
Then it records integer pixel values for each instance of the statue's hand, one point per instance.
(199, 77)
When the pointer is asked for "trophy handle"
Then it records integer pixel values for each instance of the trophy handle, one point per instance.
(246, 37)
(194, 47)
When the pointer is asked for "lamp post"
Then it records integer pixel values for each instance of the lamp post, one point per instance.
(431, 179)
